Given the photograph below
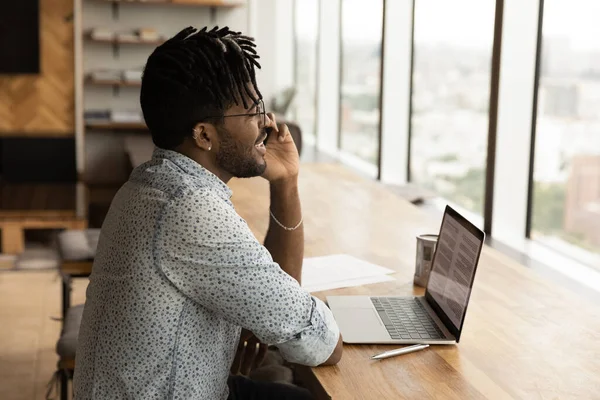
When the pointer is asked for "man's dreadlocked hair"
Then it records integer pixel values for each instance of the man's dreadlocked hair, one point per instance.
(195, 75)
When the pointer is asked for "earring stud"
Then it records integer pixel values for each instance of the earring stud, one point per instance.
(209, 147)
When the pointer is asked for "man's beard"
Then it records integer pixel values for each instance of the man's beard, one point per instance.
(236, 158)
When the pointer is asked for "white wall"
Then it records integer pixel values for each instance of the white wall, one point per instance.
(272, 27)
(328, 86)
(515, 102)
(395, 116)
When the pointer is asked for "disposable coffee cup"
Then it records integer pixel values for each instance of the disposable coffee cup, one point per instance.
(426, 245)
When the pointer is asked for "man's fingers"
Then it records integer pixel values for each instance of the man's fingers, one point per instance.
(283, 132)
(249, 356)
(280, 135)
(273, 123)
(260, 355)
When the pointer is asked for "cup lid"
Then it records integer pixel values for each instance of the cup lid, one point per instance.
(428, 237)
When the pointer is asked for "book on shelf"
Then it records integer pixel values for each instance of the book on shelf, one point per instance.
(211, 2)
(132, 76)
(127, 37)
(147, 34)
(113, 116)
(96, 115)
(132, 116)
(143, 34)
(105, 75)
(101, 34)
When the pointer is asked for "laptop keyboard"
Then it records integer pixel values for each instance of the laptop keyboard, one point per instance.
(406, 318)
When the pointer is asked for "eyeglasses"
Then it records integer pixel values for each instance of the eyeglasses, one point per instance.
(260, 110)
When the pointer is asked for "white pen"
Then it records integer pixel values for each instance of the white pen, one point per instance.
(398, 352)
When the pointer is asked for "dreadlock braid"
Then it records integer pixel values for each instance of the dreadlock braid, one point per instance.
(195, 75)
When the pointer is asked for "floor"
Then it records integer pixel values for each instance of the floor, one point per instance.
(30, 304)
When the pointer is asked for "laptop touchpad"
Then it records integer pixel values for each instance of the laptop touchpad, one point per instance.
(360, 326)
(355, 317)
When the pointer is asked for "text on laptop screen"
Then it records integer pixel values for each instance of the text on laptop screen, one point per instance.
(453, 268)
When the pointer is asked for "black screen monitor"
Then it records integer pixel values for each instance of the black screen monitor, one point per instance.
(19, 37)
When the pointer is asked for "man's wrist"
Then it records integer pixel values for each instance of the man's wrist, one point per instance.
(284, 202)
(283, 186)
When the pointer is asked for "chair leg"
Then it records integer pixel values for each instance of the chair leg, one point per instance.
(64, 384)
(66, 295)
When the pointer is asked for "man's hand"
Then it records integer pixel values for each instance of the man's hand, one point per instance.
(282, 155)
(250, 354)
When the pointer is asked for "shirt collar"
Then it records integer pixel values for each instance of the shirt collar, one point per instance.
(192, 168)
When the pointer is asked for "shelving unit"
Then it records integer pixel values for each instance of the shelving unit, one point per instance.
(110, 37)
(103, 144)
(104, 45)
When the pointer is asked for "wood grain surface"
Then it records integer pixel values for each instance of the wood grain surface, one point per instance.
(21, 200)
(43, 104)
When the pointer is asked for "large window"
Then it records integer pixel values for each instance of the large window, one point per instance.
(306, 37)
(566, 191)
(451, 89)
(361, 76)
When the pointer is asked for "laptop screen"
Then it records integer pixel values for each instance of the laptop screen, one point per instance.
(453, 269)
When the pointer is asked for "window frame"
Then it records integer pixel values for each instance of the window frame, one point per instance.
(346, 157)
(495, 64)
(317, 62)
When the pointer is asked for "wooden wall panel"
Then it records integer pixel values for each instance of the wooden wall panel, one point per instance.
(43, 105)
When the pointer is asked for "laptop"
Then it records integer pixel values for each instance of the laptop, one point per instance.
(435, 318)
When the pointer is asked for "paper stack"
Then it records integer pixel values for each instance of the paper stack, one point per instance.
(132, 75)
(126, 116)
(105, 75)
(101, 34)
(340, 270)
(148, 34)
(97, 115)
(127, 37)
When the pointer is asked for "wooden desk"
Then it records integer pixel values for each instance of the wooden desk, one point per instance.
(523, 337)
(39, 206)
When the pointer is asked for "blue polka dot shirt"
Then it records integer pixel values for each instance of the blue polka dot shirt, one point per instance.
(176, 276)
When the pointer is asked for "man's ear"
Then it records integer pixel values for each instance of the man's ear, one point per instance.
(204, 135)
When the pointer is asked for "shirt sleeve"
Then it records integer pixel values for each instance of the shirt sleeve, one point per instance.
(206, 250)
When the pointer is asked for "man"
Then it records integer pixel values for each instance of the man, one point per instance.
(178, 273)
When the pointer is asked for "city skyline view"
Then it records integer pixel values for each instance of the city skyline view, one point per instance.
(566, 198)
(449, 121)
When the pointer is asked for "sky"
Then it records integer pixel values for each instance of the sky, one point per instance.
(469, 23)
(575, 19)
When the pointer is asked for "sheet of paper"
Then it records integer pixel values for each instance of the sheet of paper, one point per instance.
(340, 270)
(348, 283)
